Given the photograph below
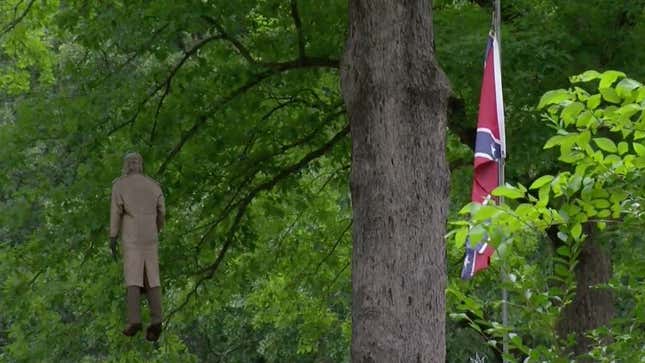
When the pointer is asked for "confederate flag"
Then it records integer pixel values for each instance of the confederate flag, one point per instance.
(489, 145)
(489, 151)
(476, 259)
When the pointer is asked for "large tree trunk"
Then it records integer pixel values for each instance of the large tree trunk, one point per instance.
(592, 307)
(396, 97)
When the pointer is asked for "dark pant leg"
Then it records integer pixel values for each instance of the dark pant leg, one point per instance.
(133, 296)
(154, 300)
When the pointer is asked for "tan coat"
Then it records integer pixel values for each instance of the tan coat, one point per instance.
(138, 212)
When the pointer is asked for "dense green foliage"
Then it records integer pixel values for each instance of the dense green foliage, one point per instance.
(600, 136)
(236, 108)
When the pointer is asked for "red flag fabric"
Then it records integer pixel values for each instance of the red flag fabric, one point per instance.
(476, 259)
(490, 144)
(490, 149)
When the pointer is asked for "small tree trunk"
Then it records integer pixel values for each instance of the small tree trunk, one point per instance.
(396, 97)
(592, 307)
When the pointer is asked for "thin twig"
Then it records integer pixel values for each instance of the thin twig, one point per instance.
(298, 24)
(269, 185)
(132, 57)
(229, 207)
(333, 282)
(209, 271)
(166, 84)
(332, 250)
(225, 35)
(201, 120)
(33, 280)
(300, 62)
(17, 20)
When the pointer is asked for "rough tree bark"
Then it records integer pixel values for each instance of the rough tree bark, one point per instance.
(396, 97)
(592, 307)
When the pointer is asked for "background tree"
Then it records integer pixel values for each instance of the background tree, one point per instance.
(396, 98)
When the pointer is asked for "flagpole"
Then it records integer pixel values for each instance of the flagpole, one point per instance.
(497, 24)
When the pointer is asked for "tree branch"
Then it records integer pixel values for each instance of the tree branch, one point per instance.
(236, 43)
(232, 203)
(132, 57)
(327, 289)
(209, 271)
(269, 185)
(331, 251)
(172, 74)
(165, 84)
(296, 21)
(279, 67)
(249, 177)
(201, 120)
(266, 116)
(17, 20)
(305, 62)
(274, 68)
(302, 61)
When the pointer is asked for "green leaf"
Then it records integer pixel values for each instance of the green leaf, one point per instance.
(610, 95)
(639, 148)
(617, 196)
(613, 160)
(574, 183)
(560, 270)
(623, 148)
(600, 203)
(543, 195)
(576, 231)
(460, 237)
(485, 212)
(584, 119)
(458, 223)
(570, 112)
(516, 341)
(626, 85)
(524, 210)
(466, 209)
(553, 141)
(477, 234)
(581, 93)
(563, 251)
(605, 144)
(585, 76)
(628, 110)
(608, 78)
(571, 157)
(604, 213)
(639, 162)
(556, 291)
(554, 97)
(508, 191)
(600, 193)
(541, 181)
(458, 316)
(594, 101)
(584, 138)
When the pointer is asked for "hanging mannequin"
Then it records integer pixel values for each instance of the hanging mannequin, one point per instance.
(137, 213)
